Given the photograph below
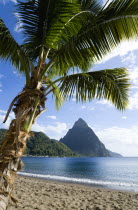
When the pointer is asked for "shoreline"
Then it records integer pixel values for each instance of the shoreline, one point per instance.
(78, 181)
(41, 194)
(85, 185)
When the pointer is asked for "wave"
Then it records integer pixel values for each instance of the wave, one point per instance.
(79, 180)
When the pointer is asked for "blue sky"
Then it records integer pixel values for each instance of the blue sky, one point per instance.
(117, 130)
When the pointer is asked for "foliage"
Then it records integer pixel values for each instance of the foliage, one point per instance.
(110, 84)
(63, 37)
(41, 145)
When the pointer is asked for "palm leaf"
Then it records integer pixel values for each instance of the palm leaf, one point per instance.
(89, 5)
(62, 25)
(35, 16)
(43, 22)
(11, 50)
(110, 84)
(98, 35)
(51, 87)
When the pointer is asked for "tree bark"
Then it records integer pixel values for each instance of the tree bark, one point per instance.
(26, 108)
(10, 162)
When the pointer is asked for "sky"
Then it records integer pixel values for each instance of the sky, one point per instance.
(117, 130)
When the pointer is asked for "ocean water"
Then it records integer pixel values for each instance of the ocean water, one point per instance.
(113, 173)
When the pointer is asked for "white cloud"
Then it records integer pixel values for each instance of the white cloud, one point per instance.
(91, 108)
(124, 117)
(83, 107)
(121, 140)
(55, 131)
(2, 116)
(134, 77)
(52, 117)
(58, 128)
(129, 59)
(121, 50)
(105, 102)
(3, 112)
(133, 101)
(88, 108)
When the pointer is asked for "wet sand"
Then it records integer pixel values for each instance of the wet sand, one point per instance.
(37, 194)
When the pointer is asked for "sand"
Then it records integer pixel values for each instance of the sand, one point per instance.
(37, 194)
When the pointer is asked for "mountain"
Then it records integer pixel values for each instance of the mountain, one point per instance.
(114, 154)
(81, 139)
(42, 145)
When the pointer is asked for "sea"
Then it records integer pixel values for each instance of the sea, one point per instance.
(112, 173)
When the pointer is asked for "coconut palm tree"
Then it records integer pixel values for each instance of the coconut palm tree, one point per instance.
(62, 39)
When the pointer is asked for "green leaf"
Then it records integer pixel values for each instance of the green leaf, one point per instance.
(61, 24)
(51, 87)
(11, 50)
(110, 84)
(43, 22)
(99, 34)
(35, 16)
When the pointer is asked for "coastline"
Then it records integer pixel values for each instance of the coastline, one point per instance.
(42, 194)
(121, 186)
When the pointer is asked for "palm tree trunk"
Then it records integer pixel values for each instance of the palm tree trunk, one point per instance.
(10, 163)
(26, 109)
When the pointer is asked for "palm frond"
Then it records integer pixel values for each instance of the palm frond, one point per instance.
(62, 25)
(110, 84)
(61, 66)
(43, 22)
(59, 99)
(99, 34)
(35, 16)
(11, 50)
(89, 5)
(115, 23)
(51, 87)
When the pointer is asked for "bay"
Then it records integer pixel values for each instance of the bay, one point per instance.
(113, 173)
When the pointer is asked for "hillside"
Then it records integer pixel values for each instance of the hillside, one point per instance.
(42, 145)
(114, 154)
(81, 139)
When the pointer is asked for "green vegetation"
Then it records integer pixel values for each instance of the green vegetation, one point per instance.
(42, 145)
(62, 39)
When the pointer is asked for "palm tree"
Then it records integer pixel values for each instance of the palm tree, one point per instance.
(62, 40)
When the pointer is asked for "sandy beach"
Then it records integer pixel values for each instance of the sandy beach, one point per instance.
(37, 194)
